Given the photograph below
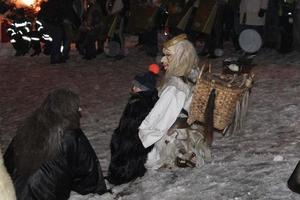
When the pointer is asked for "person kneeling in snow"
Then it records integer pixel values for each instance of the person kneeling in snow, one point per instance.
(175, 142)
(128, 155)
(50, 155)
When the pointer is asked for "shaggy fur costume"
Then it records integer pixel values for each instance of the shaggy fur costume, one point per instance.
(128, 154)
(50, 155)
(7, 190)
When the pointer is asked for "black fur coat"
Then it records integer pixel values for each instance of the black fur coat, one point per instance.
(75, 167)
(128, 154)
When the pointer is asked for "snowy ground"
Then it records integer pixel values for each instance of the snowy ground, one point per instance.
(254, 164)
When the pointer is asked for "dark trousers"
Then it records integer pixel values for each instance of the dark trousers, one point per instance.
(90, 45)
(87, 44)
(57, 33)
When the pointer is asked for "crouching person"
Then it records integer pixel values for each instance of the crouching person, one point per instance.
(175, 142)
(50, 155)
(7, 191)
(128, 155)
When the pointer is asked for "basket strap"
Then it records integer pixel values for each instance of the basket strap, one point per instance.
(208, 65)
(209, 118)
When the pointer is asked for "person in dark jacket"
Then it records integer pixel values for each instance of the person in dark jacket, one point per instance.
(71, 22)
(90, 31)
(150, 38)
(51, 14)
(128, 155)
(50, 155)
(19, 31)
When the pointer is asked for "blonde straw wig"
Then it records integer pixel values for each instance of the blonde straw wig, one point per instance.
(184, 58)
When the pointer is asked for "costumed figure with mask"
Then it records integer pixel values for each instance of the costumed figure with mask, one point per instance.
(50, 155)
(175, 142)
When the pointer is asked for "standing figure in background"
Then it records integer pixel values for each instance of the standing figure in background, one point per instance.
(90, 30)
(286, 22)
(297, 26)
(214, 41)
(19, 33)
(72, 17)
(128, 155)
(51, 14)
(50, 155)
(44, 36)
(165, 127)
(7, 189)
(114, 45)
(156, 29)
(232, 24)
(35, 39)
(253, 14)
(14, 39)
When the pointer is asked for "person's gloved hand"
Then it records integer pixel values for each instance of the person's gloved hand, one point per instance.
(262, 12)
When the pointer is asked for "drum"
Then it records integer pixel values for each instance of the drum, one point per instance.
(250, 40)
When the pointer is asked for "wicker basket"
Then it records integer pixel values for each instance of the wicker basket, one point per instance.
(228, 93)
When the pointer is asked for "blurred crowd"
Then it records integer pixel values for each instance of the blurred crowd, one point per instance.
(96, 26)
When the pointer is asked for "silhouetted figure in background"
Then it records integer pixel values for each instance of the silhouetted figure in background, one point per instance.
(90, 31)
(51, 14)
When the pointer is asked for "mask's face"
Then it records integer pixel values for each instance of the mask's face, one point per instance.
(168, 57)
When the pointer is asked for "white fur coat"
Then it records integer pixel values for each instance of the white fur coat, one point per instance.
(173, 97)
(7, 191)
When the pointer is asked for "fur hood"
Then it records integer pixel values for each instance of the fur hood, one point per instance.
(7, 191)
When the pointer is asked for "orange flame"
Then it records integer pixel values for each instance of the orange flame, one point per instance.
(33, 5)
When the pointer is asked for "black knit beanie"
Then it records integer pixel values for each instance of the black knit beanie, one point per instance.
(145, 81)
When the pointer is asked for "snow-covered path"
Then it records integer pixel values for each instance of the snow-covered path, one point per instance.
(254, 164)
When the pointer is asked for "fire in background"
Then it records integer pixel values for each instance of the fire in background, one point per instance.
(28, 4)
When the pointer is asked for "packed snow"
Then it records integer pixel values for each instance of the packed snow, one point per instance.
(253, 164)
